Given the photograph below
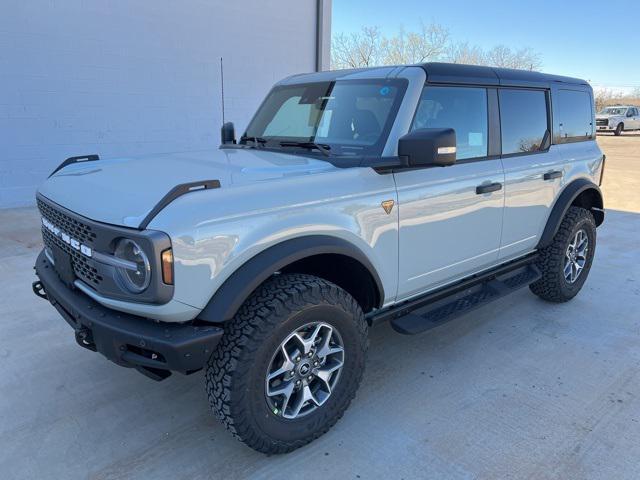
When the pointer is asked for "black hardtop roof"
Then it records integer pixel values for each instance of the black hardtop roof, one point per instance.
(475, 74)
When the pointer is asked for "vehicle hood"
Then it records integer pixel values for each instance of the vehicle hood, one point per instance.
(602, 116)
(123, 191)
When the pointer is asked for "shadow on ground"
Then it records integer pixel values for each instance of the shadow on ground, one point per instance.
(520, 388)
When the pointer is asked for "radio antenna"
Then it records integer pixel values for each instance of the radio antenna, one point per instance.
(222, 87)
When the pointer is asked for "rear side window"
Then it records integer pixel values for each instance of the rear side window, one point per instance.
(523, 120)
(573, 116)
(461, 108)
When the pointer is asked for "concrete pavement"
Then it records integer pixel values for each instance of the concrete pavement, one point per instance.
(518, 389)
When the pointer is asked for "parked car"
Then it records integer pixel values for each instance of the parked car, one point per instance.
(404, 194)
(618, 119)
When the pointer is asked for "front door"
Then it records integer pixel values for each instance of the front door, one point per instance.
(635, 119)
(450, 217)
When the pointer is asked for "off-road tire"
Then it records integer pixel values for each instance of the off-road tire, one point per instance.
(619, 129)
(553, 286)
(235, 372)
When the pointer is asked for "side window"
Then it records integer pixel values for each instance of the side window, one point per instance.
(461, 108)
(523, 120)
(573, 116)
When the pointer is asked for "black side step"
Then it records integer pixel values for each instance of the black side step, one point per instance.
(507, 281)
(448, 308)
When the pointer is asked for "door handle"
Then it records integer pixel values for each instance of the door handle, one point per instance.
(491, 187)
(552, 175)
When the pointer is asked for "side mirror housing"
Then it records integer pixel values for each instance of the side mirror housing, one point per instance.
(429, 147)
(629, 113)
(228, 133)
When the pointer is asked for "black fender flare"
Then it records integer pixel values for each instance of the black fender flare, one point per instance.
(228, 299)
(564, 201)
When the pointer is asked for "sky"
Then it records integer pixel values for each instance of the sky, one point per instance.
(597, 41)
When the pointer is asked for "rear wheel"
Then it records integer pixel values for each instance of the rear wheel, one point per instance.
(289, 363)
(566, 262)
(619, 129)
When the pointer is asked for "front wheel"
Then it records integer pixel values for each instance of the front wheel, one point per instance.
(619, 129)
(566, 262)
(289, 363)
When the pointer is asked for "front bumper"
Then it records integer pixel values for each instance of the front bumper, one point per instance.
(153, 348)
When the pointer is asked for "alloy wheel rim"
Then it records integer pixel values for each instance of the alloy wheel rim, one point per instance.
(576, 256)
(304, 370)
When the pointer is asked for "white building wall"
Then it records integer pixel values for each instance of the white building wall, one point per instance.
(124, 77)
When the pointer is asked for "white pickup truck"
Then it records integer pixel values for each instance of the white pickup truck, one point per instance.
(618, 119)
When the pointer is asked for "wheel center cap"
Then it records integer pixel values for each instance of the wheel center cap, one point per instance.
(305, 368)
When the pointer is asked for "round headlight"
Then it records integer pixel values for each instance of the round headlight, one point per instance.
(137, 279)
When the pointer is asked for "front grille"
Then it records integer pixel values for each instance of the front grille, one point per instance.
(602, 122)
(73, 227)
(82, 265)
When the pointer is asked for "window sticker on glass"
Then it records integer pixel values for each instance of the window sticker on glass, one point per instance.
(475, 139)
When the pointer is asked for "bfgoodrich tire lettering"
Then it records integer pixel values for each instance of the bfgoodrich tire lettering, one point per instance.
(236, 371)
(554, 286)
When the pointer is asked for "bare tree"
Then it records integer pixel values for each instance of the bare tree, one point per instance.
(464, 53)
(430, 42)
(604, 97)
(503, 56)
(360, 49)
(427, 44)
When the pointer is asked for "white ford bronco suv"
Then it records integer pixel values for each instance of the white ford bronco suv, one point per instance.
(618, 119)
(407, 194)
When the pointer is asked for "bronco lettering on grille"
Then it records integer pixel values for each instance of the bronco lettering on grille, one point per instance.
(66, 238)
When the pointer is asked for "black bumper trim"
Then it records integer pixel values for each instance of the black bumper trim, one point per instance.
(127, 340)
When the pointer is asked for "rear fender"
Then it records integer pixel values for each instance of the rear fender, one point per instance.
(582, 193)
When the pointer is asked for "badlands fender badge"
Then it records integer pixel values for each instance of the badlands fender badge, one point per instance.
(388, 206)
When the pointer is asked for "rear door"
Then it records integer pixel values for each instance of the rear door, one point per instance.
(533, 170)
(635, 119)
(451, 217)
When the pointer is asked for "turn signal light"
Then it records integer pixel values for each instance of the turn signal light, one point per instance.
(167, 266)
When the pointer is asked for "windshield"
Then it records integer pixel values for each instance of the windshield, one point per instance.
(343, 118)
(613, 111)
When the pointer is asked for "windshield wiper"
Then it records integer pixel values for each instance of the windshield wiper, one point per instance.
(324, 149)
(257, 141)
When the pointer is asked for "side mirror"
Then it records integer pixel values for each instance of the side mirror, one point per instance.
(228, 133)
(429, 147)
(629, 113)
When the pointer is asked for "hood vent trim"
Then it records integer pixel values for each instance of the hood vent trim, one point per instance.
(71, 160)
(175, 192)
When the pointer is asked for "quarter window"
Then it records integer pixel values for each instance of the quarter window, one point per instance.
(461, 108)
(573, 116)
(523, 120)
